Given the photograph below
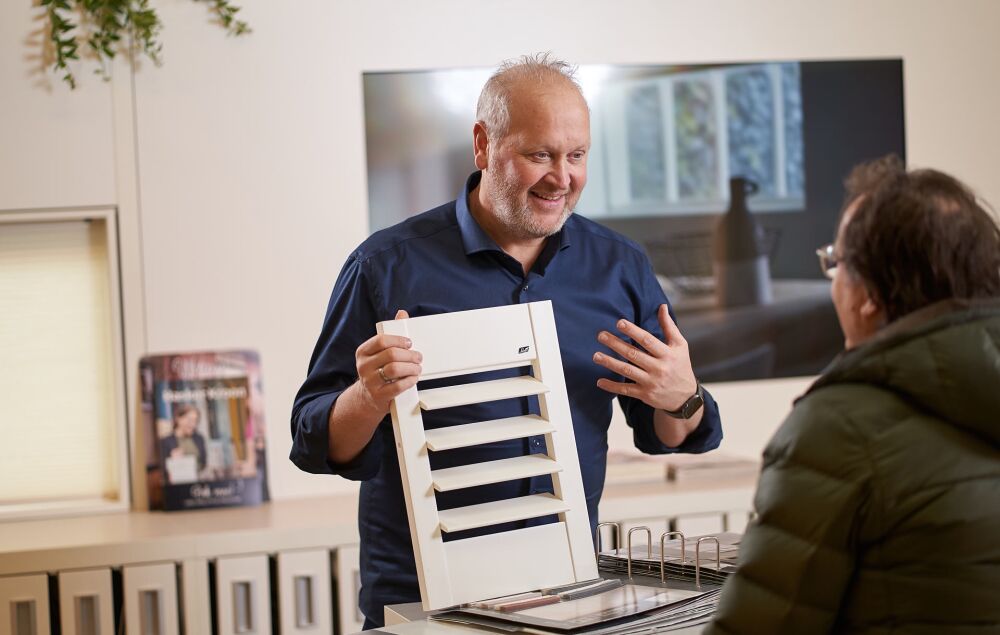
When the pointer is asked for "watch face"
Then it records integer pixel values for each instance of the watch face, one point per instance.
(691, 405)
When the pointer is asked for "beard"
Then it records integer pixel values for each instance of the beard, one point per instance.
(514, 211)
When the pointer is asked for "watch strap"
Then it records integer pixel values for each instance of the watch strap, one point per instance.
(690, 406)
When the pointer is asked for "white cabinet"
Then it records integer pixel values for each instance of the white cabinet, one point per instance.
(86, 603)
(150, 599)
(304, 599)
(243, 595)
(24, 605)
(196, 596)
(348, 573)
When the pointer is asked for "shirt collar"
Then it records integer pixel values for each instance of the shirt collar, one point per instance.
(475, 239)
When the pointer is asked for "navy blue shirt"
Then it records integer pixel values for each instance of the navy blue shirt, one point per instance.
(443, 261)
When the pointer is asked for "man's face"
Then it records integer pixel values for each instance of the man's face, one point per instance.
(536, 172)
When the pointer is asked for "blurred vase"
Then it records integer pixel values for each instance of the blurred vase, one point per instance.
(742, 275)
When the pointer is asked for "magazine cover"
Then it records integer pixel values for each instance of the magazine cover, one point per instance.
(203, 418)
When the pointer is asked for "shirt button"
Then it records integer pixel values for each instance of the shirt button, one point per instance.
(524, 288)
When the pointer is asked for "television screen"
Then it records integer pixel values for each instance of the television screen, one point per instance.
(673, 148)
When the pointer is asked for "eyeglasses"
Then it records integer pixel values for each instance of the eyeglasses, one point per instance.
(827, 261)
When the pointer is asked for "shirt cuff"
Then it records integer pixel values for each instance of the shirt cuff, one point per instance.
(707, 436)
(311, 440)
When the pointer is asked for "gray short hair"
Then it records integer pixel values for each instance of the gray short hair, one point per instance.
(492, 110)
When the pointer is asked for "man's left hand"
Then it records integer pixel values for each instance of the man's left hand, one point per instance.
(659, 372)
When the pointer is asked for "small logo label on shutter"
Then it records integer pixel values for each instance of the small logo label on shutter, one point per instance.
(523, 349)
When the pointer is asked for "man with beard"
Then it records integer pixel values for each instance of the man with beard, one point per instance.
(510, 237)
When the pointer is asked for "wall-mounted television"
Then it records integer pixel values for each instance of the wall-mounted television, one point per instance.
(666, 140)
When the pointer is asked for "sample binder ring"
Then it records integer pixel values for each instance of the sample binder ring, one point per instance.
(597, 537)
(663, 537)
(697, 558)
(649, 546)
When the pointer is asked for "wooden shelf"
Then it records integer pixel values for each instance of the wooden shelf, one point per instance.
(487, 472)
(482, 391)
(486, 432)
(503, 511)
(140, 537)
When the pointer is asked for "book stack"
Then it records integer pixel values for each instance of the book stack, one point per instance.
(712, 467)
(634, 467)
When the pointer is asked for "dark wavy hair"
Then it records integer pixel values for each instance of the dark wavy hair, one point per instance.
(918, 237)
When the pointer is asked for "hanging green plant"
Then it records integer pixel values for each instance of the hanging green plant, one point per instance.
(109, 27)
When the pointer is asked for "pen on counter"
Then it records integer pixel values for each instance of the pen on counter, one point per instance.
(591, 589)
(518, 605)
(495, 602)
(568, 587)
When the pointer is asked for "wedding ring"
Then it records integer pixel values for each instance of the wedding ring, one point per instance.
(381, 373)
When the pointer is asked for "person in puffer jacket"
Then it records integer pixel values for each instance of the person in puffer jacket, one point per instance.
(878, 505)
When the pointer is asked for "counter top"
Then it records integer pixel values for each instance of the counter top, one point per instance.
(146, 537)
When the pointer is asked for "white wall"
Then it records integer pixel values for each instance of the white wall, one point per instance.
(56, 146)
(251, 167)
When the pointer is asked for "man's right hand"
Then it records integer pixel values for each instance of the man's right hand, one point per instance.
(387, 367)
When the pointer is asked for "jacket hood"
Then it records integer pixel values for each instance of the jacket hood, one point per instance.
(944, 358)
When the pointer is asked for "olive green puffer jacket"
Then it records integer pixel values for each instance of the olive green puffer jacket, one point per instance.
(879, 500)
